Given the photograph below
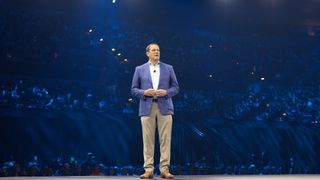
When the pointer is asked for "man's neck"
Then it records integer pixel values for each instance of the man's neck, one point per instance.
(154, 62)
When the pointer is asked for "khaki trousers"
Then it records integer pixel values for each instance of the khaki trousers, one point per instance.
(149, 123)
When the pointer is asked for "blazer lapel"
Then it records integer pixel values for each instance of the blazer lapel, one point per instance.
(147, 73)
(162, 73)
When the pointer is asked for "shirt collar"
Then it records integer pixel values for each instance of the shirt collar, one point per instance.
(152, 64)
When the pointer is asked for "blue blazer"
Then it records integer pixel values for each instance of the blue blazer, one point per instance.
(142, 81)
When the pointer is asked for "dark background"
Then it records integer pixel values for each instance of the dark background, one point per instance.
(248, 73)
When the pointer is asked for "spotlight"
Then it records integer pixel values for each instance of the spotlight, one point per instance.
(101, 40)
(113, 49)
(130, 99)
(210, 76)
(90, 30)
(125, 60)
(113, 1)
(262, 79)
(119, 54)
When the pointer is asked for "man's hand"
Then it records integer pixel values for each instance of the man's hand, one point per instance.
(161, 92)
(149, 92)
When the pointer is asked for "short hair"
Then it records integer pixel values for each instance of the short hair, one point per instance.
(148, 47)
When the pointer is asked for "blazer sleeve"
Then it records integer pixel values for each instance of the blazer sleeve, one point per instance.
(136, 85)
(174, 86)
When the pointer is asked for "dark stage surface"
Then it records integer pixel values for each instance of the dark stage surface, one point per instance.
(272, 177)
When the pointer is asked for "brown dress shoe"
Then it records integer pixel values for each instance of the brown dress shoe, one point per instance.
(147, 175)
(166, 175)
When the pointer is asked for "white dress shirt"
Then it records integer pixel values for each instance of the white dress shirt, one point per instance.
(155, 74)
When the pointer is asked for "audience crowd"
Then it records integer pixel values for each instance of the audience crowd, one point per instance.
(256, 165)
(258, 102)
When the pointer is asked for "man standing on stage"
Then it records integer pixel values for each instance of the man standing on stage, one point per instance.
(155, 83)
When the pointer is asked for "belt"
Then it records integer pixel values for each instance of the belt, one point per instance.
(154, 100)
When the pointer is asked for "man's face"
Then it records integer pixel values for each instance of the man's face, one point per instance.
(154, 52)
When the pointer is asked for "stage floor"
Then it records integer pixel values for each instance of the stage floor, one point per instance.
(213, 177)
